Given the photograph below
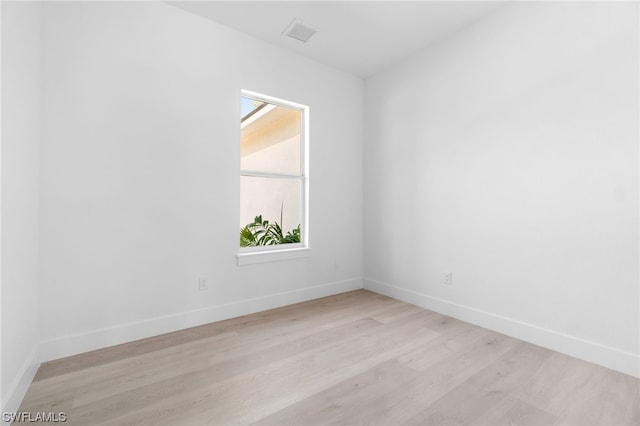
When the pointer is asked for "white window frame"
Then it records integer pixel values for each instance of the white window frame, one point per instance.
(274, 253)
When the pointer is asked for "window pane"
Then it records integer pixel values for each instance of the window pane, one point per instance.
(270, 138)
(266, 196)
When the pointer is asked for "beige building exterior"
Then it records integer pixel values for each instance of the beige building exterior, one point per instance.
(271, 165)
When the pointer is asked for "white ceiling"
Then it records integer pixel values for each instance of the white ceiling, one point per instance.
(359, 37)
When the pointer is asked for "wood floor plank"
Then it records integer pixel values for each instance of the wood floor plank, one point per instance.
(284, 382)
(390, 401)
(397, 312)
(341, 403)
(186, 376)
(453, 340)
(280, 329)
(429, 385)
(115, 376)
(512, 411)
(486, 389)
(351, 359)
(320, 310)
(584, 394)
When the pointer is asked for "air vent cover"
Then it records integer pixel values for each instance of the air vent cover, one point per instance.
(299, 30)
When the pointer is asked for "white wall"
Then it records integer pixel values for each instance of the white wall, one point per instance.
(140, 166)
(508, 155)
(21, 104)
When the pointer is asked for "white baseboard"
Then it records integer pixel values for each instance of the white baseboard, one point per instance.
(123, 333)
(12, 397)
(615, 359)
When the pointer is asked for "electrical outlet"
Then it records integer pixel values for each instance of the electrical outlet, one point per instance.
(203, 283)
(448, 278)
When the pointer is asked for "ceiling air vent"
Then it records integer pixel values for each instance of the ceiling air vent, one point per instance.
(298, 30)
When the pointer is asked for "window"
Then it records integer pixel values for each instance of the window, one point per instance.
(273, 179)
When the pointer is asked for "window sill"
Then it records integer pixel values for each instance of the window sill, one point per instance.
(276, 255)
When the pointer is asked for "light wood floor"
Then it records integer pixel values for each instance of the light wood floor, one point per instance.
(354, 358)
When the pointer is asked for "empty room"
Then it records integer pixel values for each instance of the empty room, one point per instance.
(312, 213)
